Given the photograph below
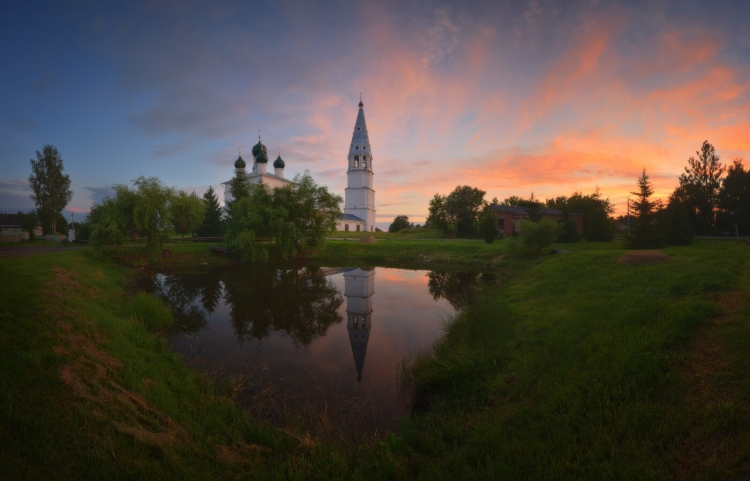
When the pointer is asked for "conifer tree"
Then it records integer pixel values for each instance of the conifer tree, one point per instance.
(212, 226)
(239, 189)
(644, 234)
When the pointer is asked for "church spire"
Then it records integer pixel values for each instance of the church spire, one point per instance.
(360, 145)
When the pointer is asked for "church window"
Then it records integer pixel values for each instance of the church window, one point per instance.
(356, 161)
(356, 147)
(364, 162)
(346, 227)
(357, 227)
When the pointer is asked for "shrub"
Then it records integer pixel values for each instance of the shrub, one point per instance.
(488, 227)
(149, 310)
(536, 236)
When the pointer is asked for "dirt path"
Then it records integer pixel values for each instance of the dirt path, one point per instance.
(24, 250)
(717, 393)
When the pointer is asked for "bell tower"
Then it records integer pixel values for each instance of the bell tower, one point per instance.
(359, 195)
(359, 286)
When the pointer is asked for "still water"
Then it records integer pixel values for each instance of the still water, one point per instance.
(311, 340)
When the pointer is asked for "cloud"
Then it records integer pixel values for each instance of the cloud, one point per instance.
(99, 193)
(47, 81)
(22, 124)
(14, 195)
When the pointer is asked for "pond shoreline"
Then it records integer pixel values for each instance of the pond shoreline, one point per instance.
(523, 382)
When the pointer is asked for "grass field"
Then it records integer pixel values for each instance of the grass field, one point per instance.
(572, 367)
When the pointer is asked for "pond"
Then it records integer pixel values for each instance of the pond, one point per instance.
(322, 344)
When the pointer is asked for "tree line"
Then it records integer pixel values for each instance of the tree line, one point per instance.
(465, 213)
(706, 202)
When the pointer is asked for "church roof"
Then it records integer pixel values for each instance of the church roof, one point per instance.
(352, 217)
(360, 140)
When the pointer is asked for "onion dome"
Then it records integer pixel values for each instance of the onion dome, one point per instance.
(278, 163)
(261, 158)
(258, 147)
(239, 163)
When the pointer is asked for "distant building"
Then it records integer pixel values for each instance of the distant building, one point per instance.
(259, 175)
(359, 196)
(509, 218)
(11, 230)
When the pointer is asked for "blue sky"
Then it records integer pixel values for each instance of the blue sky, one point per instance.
(511, 97)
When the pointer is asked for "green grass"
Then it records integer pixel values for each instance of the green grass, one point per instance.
(149, 310)
(405, 234)
(413, 252)
(573, 371)
(572, 367)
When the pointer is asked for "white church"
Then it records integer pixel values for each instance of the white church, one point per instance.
(359, 196)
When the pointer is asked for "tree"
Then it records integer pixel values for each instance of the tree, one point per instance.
(50, 187)
(60, 222)
(107, 224)
(458, 212)
(311, 208)
(644, 235)
(700, 186)
(536, 236)
(152, 212)
(734, 198)
(28, 223)
(676, 220)
(212, 225)
(437, 218)
(239, 188)
(596, 210)
(187, 211)
(400, 222)
(488, 226)
(294, 216)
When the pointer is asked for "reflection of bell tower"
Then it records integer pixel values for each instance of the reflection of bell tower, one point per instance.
(359, 286)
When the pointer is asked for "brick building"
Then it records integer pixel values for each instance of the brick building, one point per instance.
(509, 218)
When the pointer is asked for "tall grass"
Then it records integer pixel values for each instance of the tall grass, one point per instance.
(151, 311)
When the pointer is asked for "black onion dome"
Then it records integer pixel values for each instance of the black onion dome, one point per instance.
(278, 163)
(258, 147)
(262, 158)
(239, 163)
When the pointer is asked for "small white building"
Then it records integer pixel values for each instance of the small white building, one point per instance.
(259, 174)
(359, 196)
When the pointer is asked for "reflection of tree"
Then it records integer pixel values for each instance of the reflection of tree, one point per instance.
(182, 291)
(456, 287)
(301, 304)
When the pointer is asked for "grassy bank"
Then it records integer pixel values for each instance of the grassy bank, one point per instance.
(405, 252)
(88, 391)
(582, 368)
(573, 367)
(406, 234)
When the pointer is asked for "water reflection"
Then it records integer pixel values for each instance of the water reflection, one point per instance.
(278, 326)
(457, 287)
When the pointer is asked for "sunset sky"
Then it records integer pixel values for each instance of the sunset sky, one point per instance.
(512, 97)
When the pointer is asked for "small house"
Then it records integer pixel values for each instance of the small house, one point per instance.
(12, 231)
(509, 218)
